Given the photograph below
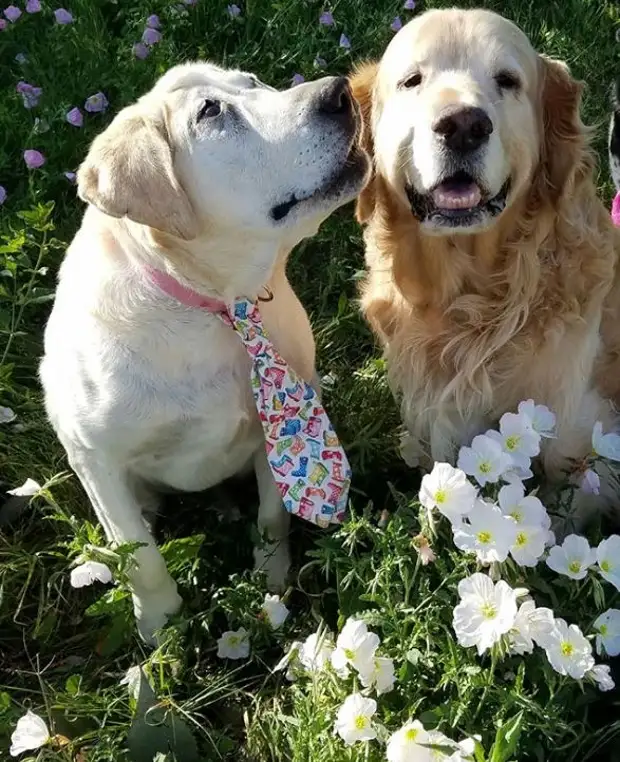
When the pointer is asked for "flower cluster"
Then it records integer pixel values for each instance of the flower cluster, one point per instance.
(235, 644)
(150, 36)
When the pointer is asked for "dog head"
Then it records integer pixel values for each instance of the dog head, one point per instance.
(462, 115)
(216, 149)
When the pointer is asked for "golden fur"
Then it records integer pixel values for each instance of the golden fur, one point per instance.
(474, 323)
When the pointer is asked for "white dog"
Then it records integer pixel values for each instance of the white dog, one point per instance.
(211, 178)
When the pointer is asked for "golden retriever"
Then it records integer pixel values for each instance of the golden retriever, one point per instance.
(490, 259)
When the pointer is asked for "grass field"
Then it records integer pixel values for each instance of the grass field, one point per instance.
(63, 652)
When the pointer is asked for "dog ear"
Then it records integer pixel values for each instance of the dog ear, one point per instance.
(129, 172)
(565, 154)
(363, 85)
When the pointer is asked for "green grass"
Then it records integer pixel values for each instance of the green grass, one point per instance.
(64, 651)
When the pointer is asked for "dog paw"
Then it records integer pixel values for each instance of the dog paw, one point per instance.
(274, 561)
(152, 611)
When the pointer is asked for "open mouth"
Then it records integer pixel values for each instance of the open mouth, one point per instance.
(457, 202)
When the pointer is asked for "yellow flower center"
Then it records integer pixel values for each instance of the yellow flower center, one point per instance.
(485, 467)
(521, 539)
(567, 648)
(603, 629)
(574, 566)
(361, 722)
(349, 654)
(488, 611)
(512, 442)
(234, 640)
(441, 496)
(484, 537)
(411, 734)
(517, 516)
(605, 566)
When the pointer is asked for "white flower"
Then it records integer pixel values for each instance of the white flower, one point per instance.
(132, 681)
(30, 733)
(406, 744)
(573, 557)
(605, 445)
(466, 750)
(531, 625)
(541, 419)
(489, 534)
(354, 719)
(355, 646)
(380, 675)
(447, 489)
(608, 558)
(607, 627)
(486, 611)
(234, 644)
(523, 510)
(591, 483)
(290, 661)
(484, 460)
(568, 651)
(88, 572)
(315, 652)
(274, 611)
(28, 489)
(517, 438)
(7, 415)
(600, 674)
(529, 545)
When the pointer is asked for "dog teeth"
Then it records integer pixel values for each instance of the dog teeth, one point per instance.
(457, 199)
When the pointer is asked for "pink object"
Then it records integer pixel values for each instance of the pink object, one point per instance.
(615, 210)
(302, 447)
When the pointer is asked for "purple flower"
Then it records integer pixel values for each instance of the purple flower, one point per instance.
(233, 11)
(396, 25)
(75, 117)
(297, 79)
(2, 194)
(21, 58)
(12, 13)
(344, 42)
(409, 5)
(96, 103)
(320, 63)
(153, 22)
(34, 159)
(591, 483)
(33, 6)
(151, 36)
(140, 50)
(63, 16)
(3, 24)
(190, 2)
(70, 176)
(29, 93)
(326, 18)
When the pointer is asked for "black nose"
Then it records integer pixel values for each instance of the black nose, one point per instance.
(335, 98)
(463, 128)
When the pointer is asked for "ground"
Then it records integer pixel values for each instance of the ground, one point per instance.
(63, 651)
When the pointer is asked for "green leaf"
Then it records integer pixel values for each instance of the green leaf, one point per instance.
(73, 684)
(506, 739)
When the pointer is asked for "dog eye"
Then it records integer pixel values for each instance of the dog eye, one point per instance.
(414, 80)
(209, 110)
(507, 81)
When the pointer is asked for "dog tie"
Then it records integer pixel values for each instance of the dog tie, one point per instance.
(308, 462)
(615, 210)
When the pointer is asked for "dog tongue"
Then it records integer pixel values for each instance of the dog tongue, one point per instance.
(457, 196)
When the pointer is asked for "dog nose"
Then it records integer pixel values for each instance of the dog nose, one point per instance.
(464, 129)
(334, 97)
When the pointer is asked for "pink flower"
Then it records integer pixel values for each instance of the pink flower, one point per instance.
(396, 25)
(34, 159)
(12, 13)
(409, 5)
(63, 16)
(33, 6)
(233, 11)
(426, 553)
(140, 50)
(30, 93)
(96, 103)
(75, 117)
(2, 194)
(591, 483)
(153, 21)
(326, 18)
(344, 42)
(151, 36)
(3, 25)
(297, 79)
(70, 176)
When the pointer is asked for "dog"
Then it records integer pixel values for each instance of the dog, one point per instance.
(491, 263)
(211, 178)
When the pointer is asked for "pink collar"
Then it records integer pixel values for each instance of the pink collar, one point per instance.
(183, 294)
(615, 210)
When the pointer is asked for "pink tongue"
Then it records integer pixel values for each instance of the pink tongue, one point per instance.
(466, 197)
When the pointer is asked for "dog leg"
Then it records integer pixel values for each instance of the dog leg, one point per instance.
(273, 524)
(154, 592)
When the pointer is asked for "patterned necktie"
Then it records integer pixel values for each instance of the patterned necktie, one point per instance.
(308, 462)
